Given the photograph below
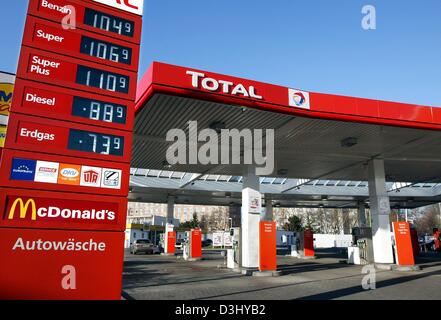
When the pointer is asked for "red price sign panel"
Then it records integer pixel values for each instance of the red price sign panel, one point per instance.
(58, 137)
(73, 73)
(90, 17)
(60, 210)
(64, 104)
(51, 36)
(60, 264)
(29, 170)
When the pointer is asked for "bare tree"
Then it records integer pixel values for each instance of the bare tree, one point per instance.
(218, 219)
(321, 220)
(427, 221)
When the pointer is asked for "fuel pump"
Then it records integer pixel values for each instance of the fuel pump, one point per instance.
(192, 245)
(186, 246)
(437, 239)
(303, 246)
(307, 244)
(169, 240)
(295, 246)
(234, 256)
(362, 251)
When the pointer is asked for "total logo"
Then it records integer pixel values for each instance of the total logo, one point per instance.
(200, 80)
(133, 6)
(44, 209)
(299, 99)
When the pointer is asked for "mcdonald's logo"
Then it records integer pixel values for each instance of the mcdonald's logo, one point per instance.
(23, 209)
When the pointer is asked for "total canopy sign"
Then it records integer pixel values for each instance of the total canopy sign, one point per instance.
(133, 6)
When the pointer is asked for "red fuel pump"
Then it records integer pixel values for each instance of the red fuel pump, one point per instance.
(193, 245)
(437, 239)
(308, 242)
(196, 243)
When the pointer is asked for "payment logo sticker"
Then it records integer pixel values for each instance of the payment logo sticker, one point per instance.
(69, 174)
(23, 169)
(111, 179)
(90, 176)
(46, 172)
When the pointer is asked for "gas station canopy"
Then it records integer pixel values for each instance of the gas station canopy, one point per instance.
(156, 185)
(323, 138)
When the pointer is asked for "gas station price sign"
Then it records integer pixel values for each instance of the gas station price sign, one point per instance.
(58, 137)
(98, 110)
(73, 73)
(109, 23)
(47, 101)
(91, 17)
(81, 44)
(66, 161)
(93, 142)
(102, 79)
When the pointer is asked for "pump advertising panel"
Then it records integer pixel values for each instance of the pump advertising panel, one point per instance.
(403, 244)
(267, 246)
(308, 243)
(171, 242)
(196, 243)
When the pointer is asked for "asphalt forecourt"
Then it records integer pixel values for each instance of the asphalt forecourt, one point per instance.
(156, 277)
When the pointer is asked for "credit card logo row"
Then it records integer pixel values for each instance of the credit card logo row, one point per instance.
(67, 174)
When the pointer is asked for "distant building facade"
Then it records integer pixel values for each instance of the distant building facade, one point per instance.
(143, 212)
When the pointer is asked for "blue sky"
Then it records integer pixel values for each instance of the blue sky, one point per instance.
(316, 45)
